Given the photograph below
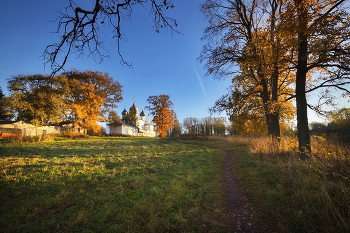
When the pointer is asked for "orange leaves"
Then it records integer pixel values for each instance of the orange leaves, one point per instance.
(91, 93)
(163, 121)
(163, 114)
(81, 98)
(85, 106)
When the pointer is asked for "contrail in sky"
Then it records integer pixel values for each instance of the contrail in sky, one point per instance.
(200, 81)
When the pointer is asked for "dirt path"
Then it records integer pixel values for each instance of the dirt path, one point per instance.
(242, 219)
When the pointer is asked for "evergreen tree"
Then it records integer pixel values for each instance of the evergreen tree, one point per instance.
(3, 111)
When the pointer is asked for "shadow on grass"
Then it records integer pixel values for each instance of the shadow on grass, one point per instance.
(111, 185)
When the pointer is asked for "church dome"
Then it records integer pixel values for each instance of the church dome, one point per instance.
(135, 108)
(142, 113)
(124, 112)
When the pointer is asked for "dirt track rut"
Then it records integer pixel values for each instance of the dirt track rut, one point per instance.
(242, 219)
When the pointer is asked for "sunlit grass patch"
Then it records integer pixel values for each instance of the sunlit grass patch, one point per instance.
(110, 184)
(300, 196)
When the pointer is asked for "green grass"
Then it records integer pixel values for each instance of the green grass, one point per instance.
(289, 194)
(111, 185)
(159, 185)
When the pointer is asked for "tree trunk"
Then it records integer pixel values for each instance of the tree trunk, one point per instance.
(270, 93)
(275, 121)
(272, 117)
(275, 126)
(275, 114)
(302, 120)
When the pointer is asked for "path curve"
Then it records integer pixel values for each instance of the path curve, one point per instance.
(242, 219)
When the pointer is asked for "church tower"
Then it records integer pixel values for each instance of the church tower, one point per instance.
(143, 115)
(124, 114)
(135, 108)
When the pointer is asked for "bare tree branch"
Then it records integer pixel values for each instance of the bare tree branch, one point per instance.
(80, 28)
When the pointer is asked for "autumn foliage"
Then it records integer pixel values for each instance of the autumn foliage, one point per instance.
(74, 97)
(164, 116)
(87, 108)
(284, 50)
(163, 121)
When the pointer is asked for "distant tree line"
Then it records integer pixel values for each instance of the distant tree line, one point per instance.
(205, 126)
(176, 129)
(338, 125)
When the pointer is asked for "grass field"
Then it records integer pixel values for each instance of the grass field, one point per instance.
(111, 184)
(117, 184)
(289, 194)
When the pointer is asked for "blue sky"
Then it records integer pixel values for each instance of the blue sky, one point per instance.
(164, 63)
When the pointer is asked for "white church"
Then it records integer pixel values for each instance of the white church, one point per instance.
(142, 127)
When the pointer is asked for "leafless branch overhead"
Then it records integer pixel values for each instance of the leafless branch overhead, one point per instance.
(80, 30)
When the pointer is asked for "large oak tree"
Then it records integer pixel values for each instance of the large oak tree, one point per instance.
(244, 33)
(245, 108)
(80, 98)
(320, 44)
(275, 39)
(38, 98)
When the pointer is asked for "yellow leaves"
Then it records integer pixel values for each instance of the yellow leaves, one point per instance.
(163, 115)
(322, 139)
(249, 124)
(75, 97)
(87, 108)
(293, 144)
(163, 121)
(91, 93)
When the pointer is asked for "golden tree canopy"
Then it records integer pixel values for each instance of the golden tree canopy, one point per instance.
(160, 107)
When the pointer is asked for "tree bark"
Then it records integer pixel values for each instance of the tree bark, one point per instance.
(302, 119)
(272, 117)
(272, 110)
(275, 117)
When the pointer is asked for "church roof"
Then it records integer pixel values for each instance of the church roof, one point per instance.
(142, 113)
(129, 124)
(123, 123)
(124, 112)
(135, 108)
